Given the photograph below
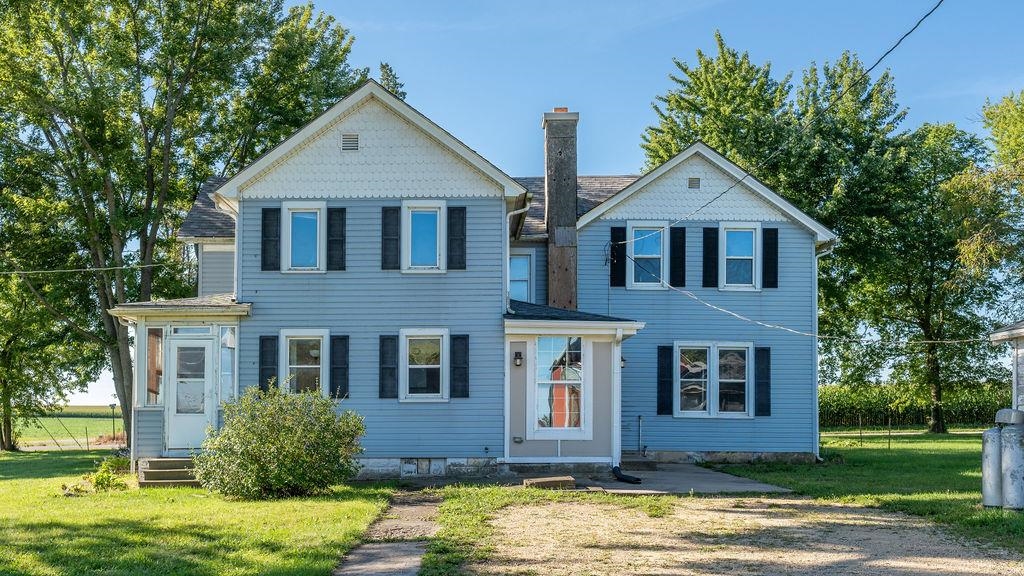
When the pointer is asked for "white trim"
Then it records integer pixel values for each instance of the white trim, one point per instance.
(217, 247)
(815, 422)
(711, 402)
(286, 236)
(576, 327)
(586, 429)
(508, 398)
(617, 398)
(822, 234)
(531, 280)
(1006, 335)
(408, 207)
(723, 229)
(325, 356)
(556, 460)
(403, 364)
(370, 89)
(650, 226)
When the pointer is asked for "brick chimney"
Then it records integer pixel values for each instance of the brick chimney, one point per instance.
(560, 205)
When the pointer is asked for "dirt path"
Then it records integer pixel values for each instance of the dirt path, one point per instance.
(707, 536)
(396, 542)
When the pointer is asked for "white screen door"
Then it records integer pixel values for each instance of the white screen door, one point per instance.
(191, 405)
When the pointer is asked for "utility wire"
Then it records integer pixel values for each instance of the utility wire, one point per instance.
(800, 129)
(71, 270)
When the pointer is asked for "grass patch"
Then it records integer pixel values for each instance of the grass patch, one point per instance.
(167, 530)
(66, 428)
(464, 514)
(935, 476)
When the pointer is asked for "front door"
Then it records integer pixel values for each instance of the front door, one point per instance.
(191, 406)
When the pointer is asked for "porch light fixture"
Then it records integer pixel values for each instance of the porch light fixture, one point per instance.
(517, 358)
(622, 362)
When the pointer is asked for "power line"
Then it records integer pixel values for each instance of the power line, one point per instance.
(72, 270)
(801, 128)
(783, 328)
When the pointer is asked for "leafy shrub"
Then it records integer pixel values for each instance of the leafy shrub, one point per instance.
(275, 445)
(109, 474)
(907, 405)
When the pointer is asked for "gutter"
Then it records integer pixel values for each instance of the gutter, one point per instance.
(508, 271)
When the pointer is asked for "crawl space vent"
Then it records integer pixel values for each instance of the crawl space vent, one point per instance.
(693, 183)
(350, 142)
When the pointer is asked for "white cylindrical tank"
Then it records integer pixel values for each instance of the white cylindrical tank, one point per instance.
(1012, 456)
(991, 470)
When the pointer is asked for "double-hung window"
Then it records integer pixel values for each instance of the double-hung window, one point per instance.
(646, 248)
(714, 379)
(424, 371)
(424, 229)
(740, 252)
(304, 361)
(559, 393)
(520, 266)
(304, 248)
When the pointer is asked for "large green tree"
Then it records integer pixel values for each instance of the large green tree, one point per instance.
(131, 104)
(1005, 120)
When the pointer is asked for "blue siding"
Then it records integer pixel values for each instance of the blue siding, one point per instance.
(364, 302)
(673, 316)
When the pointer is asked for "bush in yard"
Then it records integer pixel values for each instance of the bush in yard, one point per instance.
(274, 445)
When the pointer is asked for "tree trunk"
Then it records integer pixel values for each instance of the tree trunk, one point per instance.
(933, 375)
(6, 420)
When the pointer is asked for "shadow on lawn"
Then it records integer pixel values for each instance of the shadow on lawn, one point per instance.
(38, 465)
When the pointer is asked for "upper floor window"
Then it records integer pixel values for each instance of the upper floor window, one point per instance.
(740, 254)
(646, 249)
(713, 379)
(520, 273)
(423, 228)
(304, 246)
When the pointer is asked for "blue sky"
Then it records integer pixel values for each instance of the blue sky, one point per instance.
(486, 71)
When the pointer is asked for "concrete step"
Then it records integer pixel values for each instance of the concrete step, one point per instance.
(167, 474)
(166, 483)
(635, 461)
(164, 463)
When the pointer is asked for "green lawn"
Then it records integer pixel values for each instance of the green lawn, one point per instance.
(166, 531)
(938, 477)
(63, 428)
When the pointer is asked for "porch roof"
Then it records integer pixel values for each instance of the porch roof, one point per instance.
(523, 317)
(1008, 332)
(211, 305)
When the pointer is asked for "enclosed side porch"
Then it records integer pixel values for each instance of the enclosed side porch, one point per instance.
(186, 366)
(563, 385)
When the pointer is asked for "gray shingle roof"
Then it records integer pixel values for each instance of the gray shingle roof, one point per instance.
(590, 192)
(1004, 332)
(527, 311)
(204, 220)
(208, 301)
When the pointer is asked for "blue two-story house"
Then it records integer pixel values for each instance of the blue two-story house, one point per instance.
(475, 319)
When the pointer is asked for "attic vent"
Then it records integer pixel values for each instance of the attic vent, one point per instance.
(693, 183)
(350, 141)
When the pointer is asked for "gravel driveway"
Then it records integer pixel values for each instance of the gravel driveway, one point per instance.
(790, 536)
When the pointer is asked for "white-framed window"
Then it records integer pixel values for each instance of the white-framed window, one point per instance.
(228, 359)
(520, 275)
(739, 255)
(304, 360)
(303, 236)
(424, 229)
(714, 379)
(559, 393)
(647, 247)
(154, 366)
(424, 365)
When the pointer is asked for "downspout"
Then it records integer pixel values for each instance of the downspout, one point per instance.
(508, 229)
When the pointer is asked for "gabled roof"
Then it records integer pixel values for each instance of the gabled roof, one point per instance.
(371, 89)
(205, 221)
(821, 233)
(1008, 332)
(590, 192)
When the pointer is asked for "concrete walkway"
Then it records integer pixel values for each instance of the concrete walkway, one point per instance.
(682, 479)
(395, 543)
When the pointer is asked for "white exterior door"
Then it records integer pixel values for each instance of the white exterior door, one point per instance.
(191, 405)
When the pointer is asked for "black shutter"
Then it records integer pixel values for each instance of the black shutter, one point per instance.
(391, 238)
(677, 257)
(459, 358)
(617, 274)
(270, 230)
(388, 367)
(335, 238)
(665, 380)
(762, 381)
(710, 258)
(268, 362)
(770, 258)
(339, 367)
(457, 238)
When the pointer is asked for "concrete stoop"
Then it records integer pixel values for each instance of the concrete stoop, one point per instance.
(166, 472)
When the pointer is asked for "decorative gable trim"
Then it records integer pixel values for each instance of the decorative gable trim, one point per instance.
(822, 234)
(369, 90)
